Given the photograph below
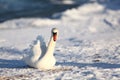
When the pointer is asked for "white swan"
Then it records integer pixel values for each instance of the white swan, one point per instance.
(48, 60)
(42, 57)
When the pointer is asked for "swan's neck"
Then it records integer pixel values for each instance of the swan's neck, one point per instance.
(51, 46)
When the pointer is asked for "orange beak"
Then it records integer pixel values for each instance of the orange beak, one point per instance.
(54, 36)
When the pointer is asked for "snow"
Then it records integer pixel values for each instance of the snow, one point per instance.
(88, 47)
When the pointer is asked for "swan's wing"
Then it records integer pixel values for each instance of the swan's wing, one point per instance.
(36, 50)
(42, 44)
(33, 53)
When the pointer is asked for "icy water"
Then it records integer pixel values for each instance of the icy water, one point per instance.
(10, 9)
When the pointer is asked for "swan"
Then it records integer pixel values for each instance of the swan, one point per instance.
(42, 57)
(48, 61)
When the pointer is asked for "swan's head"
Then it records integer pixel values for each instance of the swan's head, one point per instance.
(54, 33)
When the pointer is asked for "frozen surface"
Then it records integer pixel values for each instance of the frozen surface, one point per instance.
(88, 47)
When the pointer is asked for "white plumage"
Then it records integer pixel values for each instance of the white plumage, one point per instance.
(42, 57)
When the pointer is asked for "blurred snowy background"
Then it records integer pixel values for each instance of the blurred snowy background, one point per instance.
(10, 9)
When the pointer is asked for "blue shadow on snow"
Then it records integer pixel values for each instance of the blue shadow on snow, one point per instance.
(98, 65)
(5, 63)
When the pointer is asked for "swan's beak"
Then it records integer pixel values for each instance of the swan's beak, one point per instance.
(54, 36)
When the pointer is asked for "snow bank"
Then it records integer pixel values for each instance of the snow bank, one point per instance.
(93, 17)
(28, 22)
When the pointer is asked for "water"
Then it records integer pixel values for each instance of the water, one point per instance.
(10, 9)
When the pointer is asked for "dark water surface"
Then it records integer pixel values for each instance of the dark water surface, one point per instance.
(10, 9)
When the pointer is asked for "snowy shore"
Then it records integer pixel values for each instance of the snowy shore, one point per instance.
(88, 47)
